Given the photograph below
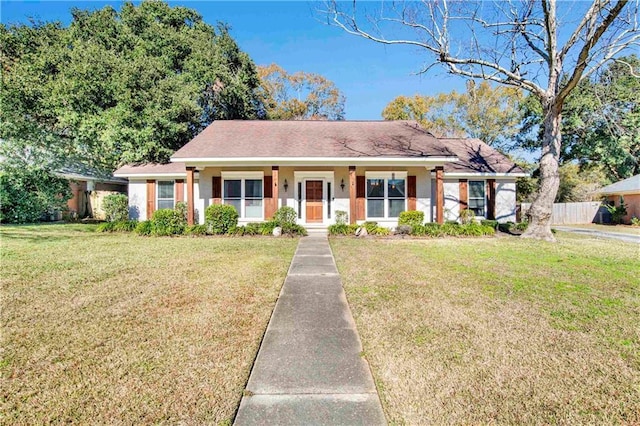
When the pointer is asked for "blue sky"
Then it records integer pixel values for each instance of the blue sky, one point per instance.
(292, 35)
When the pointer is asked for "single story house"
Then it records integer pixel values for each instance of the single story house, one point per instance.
(629, 189)
(88, 188)
(373, 170)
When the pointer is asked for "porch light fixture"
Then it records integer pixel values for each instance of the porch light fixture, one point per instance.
(286, 185)
(342, 184)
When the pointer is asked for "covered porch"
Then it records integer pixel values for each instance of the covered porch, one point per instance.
(369, 191)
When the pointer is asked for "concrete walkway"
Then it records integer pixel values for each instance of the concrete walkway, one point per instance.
(309, 370)
(629, 238)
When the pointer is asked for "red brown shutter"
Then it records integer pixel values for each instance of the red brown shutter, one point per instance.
(151, 198)
(463, 194)
(411, 193)
(216, 189)
(491, 199)
(268, 187)
(360, 197)
(268, 197)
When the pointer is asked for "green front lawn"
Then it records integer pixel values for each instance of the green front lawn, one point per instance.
(498, 330)
(116, 328)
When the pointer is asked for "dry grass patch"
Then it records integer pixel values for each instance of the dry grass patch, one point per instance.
(125, 329)
(499, 330)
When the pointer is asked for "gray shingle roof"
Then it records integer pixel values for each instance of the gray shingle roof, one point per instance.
(235, 139)
(304, 139)
(627, 186)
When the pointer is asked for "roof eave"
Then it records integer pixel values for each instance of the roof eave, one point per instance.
(485, 174)
(314, 161)
(173, 175)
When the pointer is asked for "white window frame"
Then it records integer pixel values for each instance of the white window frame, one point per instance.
(385, 176)
(242, 177)
(158, 199)
(484, 196)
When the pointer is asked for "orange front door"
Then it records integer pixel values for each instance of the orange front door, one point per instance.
(314, 201)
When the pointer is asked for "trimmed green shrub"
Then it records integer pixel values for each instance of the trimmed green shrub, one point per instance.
(119, 226)
(195, 230)
(522, 226)
(253, 228)
(144, 228)
(181, 208)
(168, 222)
(268, 227)
(381, 231)
(452, 229)
(467, 216)
(285, 215)
(491, 223)
(476, 230)
(513, 228)
(342, 229)
(116, 207)
(125, 225)
(370, 227)
(220, 218)
(342, 217)
(105, 227)
(293, 229)
(411, 218)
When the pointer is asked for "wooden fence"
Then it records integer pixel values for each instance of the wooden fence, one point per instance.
(573, 213)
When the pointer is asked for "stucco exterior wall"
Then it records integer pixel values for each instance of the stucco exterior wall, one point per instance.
(138, 199)
(451, 199)
(505, 204)
(425, 187)
(506, 201)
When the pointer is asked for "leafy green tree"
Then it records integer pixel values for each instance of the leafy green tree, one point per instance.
(28, 193)
(491, 114)
(600, 121)
(299, 96)
(118, 87)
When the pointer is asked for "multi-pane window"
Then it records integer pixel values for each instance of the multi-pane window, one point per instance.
(253, 198)
(245, 195)
(386, 197)
(166, 198)
(477, 197)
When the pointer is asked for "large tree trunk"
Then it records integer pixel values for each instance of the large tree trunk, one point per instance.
(542, 206)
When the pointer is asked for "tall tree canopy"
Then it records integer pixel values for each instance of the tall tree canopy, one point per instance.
(514, 43)
(600, 121)
(299, 96)
(490, 114)
(118, 86)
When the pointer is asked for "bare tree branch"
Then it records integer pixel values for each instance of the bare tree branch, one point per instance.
(582, 62)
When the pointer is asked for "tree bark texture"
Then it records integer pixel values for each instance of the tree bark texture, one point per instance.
(540, 212)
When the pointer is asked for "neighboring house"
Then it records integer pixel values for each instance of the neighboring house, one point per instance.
(371, 169)
(88, 189)
(629, 189)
